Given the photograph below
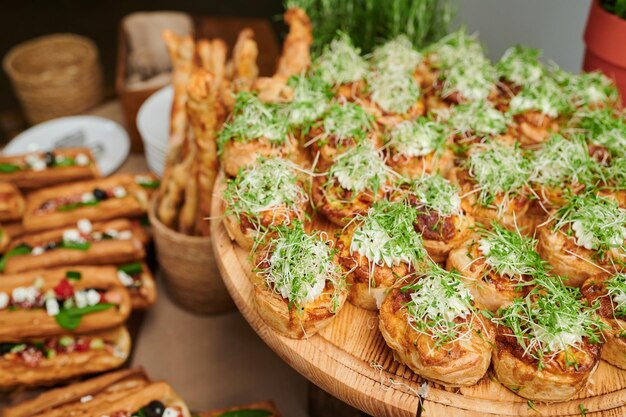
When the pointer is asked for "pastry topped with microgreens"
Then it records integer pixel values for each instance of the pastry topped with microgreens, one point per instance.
(418, 146)
(477, 119)
(603, 127)
(341, 62)
(378, 250)
(520, 66)
(396, 55)
(264, 196)
(433, 327)
(498, 265)
(434, 193)
(609, 293)
(473, 79)
(548, 343)
(585, 238)
(454, 48)
(311, 99)
(299, 287)
(588, 89)
(546, 98)
(395, 92)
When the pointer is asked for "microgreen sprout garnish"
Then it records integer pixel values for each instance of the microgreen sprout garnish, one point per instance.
(473, 79)
(341, 62)
(499, 170)
(551, 319)
(457, 46)
(437, 194)
(298, 265)
(346, 121)
(252, 119)
(311, 98)
(396, 55)
(597, 223)
(588, 88)
(615, 174)
(360, 168)
(438, 300)
(478, 118)
(520, 65)
(268, 185)
(564, 160)
(604, 127)
(545, 97)
(616, 289)
(419, 137)
(386, 236)
(510, 253)
(393, 91)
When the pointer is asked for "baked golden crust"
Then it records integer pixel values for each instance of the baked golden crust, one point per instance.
(567, 259)
(146, 294)
(442, 234)
(367, 285)
(29, 179)
(64, 401)
(459, 363)
(533, 128)
(27, 323)
(556, 381)
(415, 167)
(237, 155)
(42, 214)
(100, 252)
(339, 205)
(488, 289)
(325, 150)
(66, 366)
(11, 202)
(614, 349)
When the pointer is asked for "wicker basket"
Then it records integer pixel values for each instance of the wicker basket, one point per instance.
(191, 274)
(55, 75)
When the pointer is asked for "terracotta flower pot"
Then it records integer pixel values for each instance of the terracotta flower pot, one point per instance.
(605, 37)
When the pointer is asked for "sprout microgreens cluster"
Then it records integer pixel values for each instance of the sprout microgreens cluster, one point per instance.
(454, 48)
(478, 118)
(347, 121)
(393, 91)
(616, 289)
(437, 194)
(270, 184)
(615, 174)
(252, 119)
(298, 265)
(419, 137)
(604, 127)
(498, 169)
(396, 55)
(520, 66)
(311, 99)
(341, 62)
(587, 89)
(387, 237)
(545, 97)
(564, 160)
(551, 319)
(597, 223)
(510, 253)
(360, 168)
(438, 299)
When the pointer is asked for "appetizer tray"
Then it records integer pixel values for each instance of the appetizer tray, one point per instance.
(350, 359)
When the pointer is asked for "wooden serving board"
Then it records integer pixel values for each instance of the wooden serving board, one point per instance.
(350, 360)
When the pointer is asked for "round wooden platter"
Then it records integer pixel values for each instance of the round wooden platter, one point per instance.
(350, 360)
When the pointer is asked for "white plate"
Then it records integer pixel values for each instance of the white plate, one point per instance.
(107, 139)
(153, 123)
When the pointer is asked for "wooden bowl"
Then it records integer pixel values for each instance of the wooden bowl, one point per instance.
(190, 272)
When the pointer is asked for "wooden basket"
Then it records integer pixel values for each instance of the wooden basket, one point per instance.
(55, 75)
(188, 264)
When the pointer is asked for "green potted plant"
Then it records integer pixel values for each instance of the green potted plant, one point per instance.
(605, 38)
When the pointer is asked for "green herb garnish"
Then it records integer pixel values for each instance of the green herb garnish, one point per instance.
(132, 268)
(18, 250)
(73, 275)
(70, 318)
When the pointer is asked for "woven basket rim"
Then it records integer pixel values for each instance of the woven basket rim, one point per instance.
(161, 228)
(87, 61)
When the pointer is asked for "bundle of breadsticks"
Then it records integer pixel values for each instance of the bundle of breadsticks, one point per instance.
(205, 84)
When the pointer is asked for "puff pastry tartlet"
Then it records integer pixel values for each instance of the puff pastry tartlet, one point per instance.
(497, 265)
(255, 129)
(357, 178)
(379, 250)
(298, 286)
(261, 197)
(440, 219)
(548, 343)
(585, 238)
(434, 328)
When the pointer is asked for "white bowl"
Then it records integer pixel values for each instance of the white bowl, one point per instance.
(153, 123)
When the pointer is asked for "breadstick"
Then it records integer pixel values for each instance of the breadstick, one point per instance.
(296, 55)
(172, 195)
(187, 218)
(245, 69)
